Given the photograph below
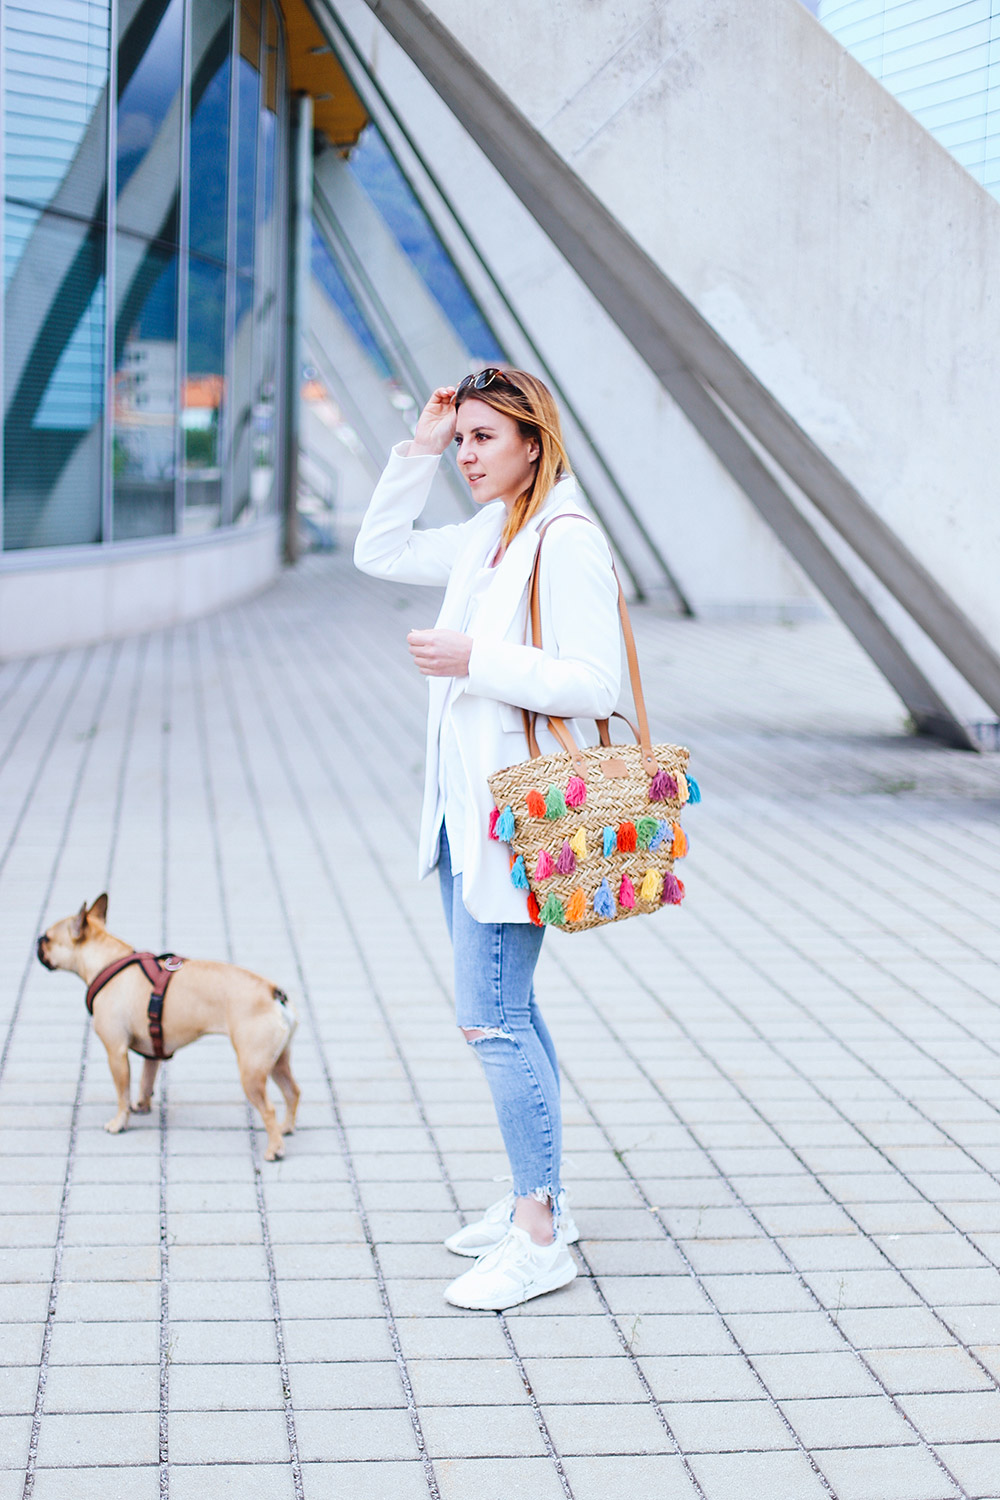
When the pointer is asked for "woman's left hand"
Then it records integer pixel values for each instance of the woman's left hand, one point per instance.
(440, 653)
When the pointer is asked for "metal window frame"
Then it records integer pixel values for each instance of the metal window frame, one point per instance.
(110, 291)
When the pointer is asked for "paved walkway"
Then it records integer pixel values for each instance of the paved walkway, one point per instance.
(782, 1099)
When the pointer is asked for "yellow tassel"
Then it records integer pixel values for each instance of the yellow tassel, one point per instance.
(578, 844)
(683, 790)
(652, 884)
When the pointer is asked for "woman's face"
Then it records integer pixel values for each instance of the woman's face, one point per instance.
(498, 462)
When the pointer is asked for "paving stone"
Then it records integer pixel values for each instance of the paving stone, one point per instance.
(596, 1477)
(362, 1480)
(77, 1440)
(885, 1474)
(102, 1388)
(136, 1482)
(342, 1435)
(235, 1481)
(207, 1437)
(727, 1426)
(848, 1422)
(778, 1475)
(497, 1478)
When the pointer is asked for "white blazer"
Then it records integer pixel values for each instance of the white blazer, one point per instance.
(576, 675)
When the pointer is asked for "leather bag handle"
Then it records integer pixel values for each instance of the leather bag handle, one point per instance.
(557, 725)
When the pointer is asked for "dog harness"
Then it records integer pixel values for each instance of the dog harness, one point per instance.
(159, 969)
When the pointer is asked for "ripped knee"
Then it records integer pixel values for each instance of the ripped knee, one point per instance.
(475, 1034)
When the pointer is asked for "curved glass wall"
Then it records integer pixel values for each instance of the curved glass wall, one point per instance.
(142, 264)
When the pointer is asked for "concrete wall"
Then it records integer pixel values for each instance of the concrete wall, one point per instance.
(73, 596)
(725, 559)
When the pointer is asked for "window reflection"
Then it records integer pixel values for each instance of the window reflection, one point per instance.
(247, 130)
(149, 120)
(145, 393)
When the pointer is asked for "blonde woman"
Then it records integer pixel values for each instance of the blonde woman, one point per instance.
(480, 675)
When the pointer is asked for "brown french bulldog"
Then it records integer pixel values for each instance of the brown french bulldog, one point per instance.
(203, 998)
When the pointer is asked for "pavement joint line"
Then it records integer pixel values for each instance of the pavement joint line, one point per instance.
(208, 785)
(387, 876)
(86, 659)
(33, 703)
(54, 1286)
(264, 831)
(543, 1427)
(859, 1354)
(868, 1067)
(163, 1415)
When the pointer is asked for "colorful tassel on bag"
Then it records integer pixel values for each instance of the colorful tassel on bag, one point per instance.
(543, 865)
(673, 890)
(555, 803)
(679, 847)
(694, 790)
(604, 902)
(645, 828)
(535, 804)
(576, 791)
(626, 893)
(576, 906)
(505, 826)
(533, 909)
(494, 819)
(518, 874)
(578, 844)
(626, 838)
(651, 886)
(662, 786)
(566, 863)
(553, 911)
(610, 841)
(662, 829)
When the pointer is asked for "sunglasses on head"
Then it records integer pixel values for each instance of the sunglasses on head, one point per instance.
(482, 380)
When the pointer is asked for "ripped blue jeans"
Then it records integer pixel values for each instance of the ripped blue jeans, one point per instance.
(494, 993)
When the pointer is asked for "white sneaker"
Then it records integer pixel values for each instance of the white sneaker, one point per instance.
(515, 1271)
(486, 1233)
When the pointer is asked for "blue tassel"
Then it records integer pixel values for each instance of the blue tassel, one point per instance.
(505, 826)
(610, 842)
(662, 828)
(694, 790)
(604, 902)
(518, 874)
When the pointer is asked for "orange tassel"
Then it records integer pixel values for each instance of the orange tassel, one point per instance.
(533, 911)
(627, 838)
(536, 804)
(679, 847)
(576, 906)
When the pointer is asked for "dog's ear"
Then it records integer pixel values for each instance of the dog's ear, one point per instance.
(78, 925)
(100, 908)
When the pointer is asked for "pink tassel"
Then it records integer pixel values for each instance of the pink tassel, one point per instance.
(673, 890)
(662, 786)
(576, 792)
(566, 863)
(626, 892)
(543, 865)
(494, 819)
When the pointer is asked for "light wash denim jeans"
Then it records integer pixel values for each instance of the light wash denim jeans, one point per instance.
(494, 993)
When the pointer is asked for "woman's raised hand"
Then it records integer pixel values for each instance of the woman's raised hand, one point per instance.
(436, 426)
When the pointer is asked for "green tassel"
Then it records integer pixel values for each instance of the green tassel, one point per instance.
(645, 828)
(553, 911)
(555, 803)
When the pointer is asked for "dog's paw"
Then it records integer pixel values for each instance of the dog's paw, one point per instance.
(288, 1129)
(274, 1153)
(142, 1106)
(116, 1125)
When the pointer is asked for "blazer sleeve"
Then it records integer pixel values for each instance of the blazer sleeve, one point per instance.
(578, 673)
(387, 546)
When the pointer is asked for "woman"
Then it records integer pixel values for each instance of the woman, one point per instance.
(481, 674)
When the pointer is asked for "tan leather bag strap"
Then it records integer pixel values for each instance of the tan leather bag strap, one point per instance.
(557, 725)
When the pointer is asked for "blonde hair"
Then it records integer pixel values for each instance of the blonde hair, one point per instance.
(531, 404)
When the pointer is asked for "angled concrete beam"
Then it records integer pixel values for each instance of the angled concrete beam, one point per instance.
(676, 341)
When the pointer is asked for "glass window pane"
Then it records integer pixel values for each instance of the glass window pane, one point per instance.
(203, 394)
(379, 174)
(149, 119)
(209, 138)
(266, 333)
(145, 387)
(54, 367)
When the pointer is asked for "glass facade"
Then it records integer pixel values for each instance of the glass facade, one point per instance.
(942, 60)
(142, 267)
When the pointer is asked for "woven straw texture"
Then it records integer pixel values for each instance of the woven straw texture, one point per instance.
(608, 808)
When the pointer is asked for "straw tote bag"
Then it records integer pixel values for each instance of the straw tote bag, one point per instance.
(593, 832)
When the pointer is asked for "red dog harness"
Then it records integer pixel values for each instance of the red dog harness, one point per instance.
(159, 970)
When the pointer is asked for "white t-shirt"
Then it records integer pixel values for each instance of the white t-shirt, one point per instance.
(451, 810)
